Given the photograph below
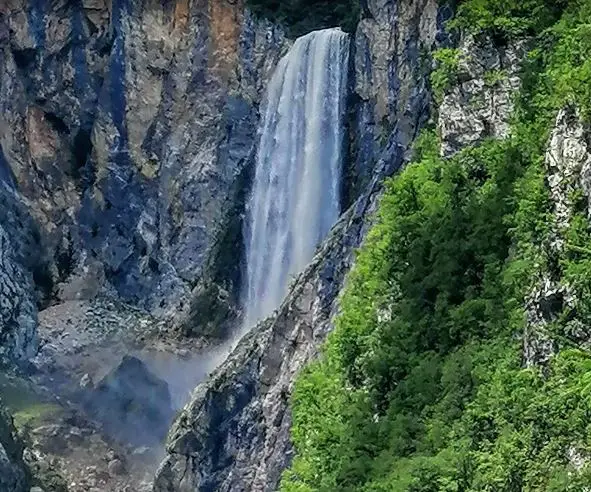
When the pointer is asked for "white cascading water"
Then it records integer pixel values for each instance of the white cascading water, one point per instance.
(295, 196)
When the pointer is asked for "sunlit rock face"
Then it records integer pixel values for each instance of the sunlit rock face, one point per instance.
(128, 121)
(126, 128)
(480, 104)
(390, 97)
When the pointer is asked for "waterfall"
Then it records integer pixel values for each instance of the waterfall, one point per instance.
(295, 196)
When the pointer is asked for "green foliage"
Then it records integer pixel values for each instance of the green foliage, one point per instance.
(421, 386)
(302, 16)
(507, 18)
(445, 75)
(494, 77)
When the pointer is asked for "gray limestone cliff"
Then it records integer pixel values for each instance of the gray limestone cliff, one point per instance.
(126, 134)
(568, 169)
(480, 102)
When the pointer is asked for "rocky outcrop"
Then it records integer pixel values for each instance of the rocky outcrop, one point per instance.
(19, 262)
(14, 475)
(568, 167)
(390, 80)
(479, 103)
(18, 311)
(125, 129)
(234, 434)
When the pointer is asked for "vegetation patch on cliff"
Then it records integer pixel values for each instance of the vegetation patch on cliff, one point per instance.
(303, 16)
(422, 386)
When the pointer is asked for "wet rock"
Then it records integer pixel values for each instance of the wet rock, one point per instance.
(132, 402)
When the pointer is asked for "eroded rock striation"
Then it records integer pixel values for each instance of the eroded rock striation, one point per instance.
(127, 128)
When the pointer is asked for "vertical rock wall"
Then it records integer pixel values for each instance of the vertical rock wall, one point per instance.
(390, 83)
(125, 128)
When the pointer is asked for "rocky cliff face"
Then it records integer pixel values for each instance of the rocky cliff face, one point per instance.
(480, 102)
(568, 168)
(234, 434)
(127, 139)
(126, 129)
(18, 309)
(390, 90)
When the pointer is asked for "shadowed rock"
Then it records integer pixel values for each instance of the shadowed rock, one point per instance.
(14, 476)
(133, 403)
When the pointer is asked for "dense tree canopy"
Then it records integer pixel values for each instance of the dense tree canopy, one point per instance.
(422, 387)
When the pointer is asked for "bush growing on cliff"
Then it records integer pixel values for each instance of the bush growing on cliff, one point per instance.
(446, 73)
(507, 18)
(303, 16)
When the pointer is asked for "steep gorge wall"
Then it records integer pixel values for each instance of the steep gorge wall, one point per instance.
(234, 434)
(125, 130)
(127, 134)
(390, 95)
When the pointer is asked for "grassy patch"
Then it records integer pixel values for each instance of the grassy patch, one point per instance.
(26, 406)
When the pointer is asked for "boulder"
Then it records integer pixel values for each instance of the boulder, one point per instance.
(133, 403)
